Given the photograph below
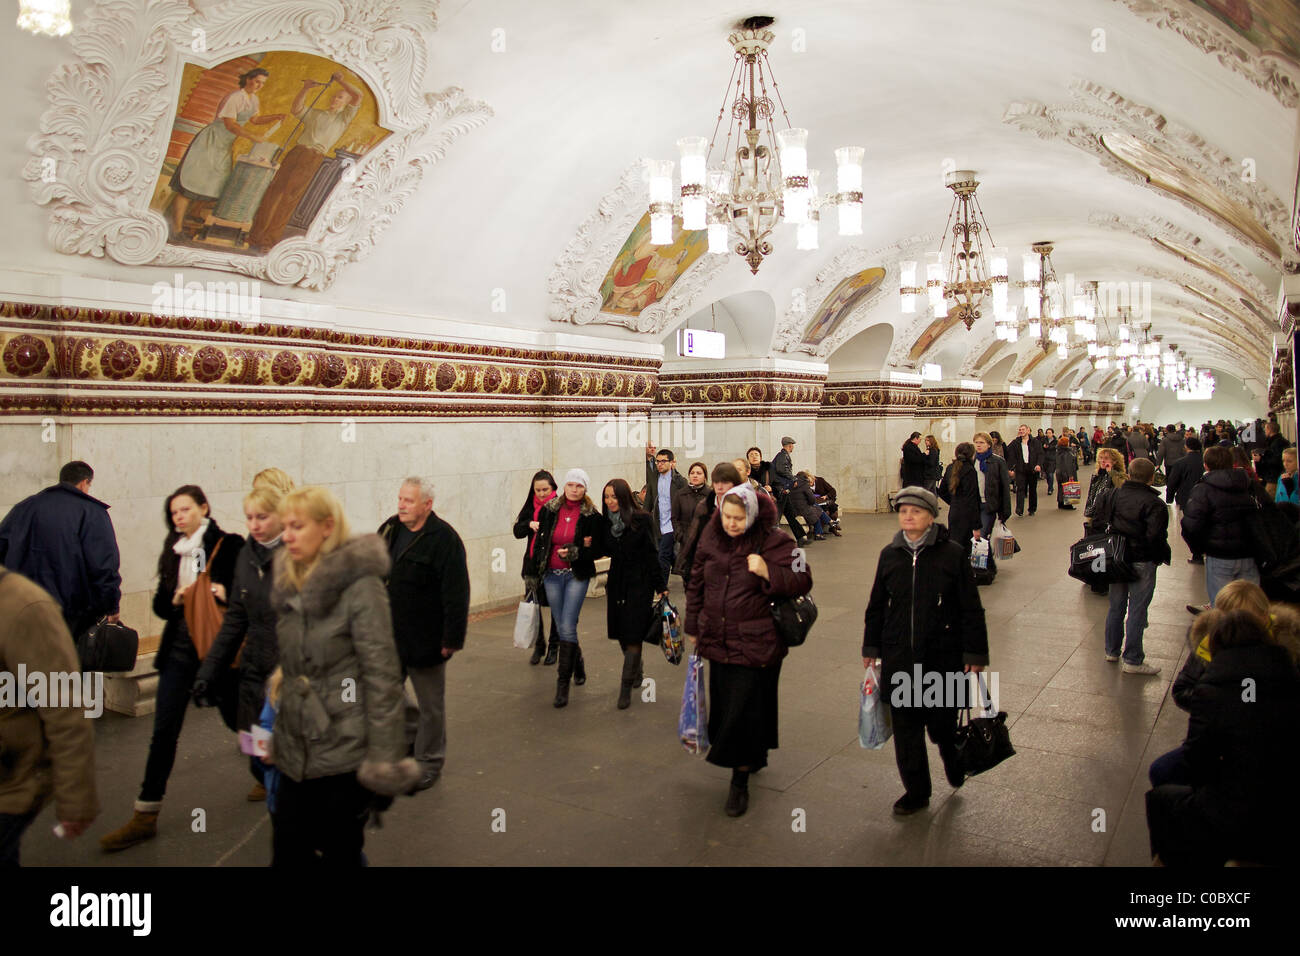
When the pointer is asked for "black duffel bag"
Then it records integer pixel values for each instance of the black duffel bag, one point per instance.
(108, 647)
(1101, 559)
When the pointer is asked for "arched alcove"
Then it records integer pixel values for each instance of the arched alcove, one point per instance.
(865, 353)
(995, 378)
(748, 320)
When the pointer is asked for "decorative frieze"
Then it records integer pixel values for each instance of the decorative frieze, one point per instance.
(993, 404)
(947, 401)
(742, 393)
(870, 399)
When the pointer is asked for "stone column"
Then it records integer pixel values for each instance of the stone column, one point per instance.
(861, 429)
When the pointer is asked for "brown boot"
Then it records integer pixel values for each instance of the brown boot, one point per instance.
(257, 794)
(142, 826)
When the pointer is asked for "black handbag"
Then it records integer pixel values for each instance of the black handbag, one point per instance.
(794, 617)
(108, 647)
(1101, 559)
(983, 742)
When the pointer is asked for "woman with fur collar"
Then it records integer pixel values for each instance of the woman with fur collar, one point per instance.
(339, 735)
(194, 544)
(564, 554)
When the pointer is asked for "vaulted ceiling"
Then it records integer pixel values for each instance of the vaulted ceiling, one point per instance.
(1100, 125)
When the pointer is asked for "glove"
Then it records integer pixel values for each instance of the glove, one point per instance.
(202, 694)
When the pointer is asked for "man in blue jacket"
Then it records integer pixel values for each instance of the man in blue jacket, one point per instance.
(63, 539)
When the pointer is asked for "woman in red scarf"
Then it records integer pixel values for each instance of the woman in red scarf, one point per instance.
(544, 489)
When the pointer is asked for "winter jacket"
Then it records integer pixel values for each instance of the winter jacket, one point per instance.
(222, 570)
(1191, 674)
(428, 591)
(44, 750)
(997, 486)
(1182, 476)
(916, 466)
(676, 483)
(934, 470)
(1050, 450)
(1067, 466)
(523, 531)
(1138, 447)
(1240, 752)
(635, 577)
(685, 501)
(1023, 456)
(248, 629)
(781, 472)
(62, 539)
(1172, 448)
(964, 517)
(1270, 459)
(589, 522)
(1136, 511)
(1288, 489)
(1102, 481)
(342, 707)
(822, 487)
(924, 608)
(728, 608)
(803, 502)
(1218, 519)
(699, 521)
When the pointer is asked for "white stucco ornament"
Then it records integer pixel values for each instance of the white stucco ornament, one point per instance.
(97, 157)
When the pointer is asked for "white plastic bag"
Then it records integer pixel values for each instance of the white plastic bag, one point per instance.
(979, 552)
(1004, 542)
(874, 725)
(527, 619)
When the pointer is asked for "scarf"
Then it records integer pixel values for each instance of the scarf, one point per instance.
(192, 555)
(616, 526)
(538, 505)
(983, 459)
(747, 497)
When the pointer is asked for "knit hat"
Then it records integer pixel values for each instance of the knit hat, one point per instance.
(919, 497)
(577, 475)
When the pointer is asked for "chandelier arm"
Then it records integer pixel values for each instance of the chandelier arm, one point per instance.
(777, 90)
(979, 211)
(721, 110)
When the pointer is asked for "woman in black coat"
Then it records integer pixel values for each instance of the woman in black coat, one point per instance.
(247, 637)
(960, 489)
(526, 524)
(635, 579)
(685, 501)
(194, 543)
(924, 610)
(934, 470)
(915, 463)
(1067, 469)
(563, 558)
(1239, 757)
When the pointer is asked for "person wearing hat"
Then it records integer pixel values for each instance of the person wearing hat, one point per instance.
(742, 562)
(924, 618)
(566, 546)
(782, 475)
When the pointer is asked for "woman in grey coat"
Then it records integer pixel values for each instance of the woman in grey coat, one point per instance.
(339, 737)
(1067, 469)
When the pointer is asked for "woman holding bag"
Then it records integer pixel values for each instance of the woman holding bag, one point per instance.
(742, 562)
(635, 578)
(195, 571)
(960, 490)
(526, 526)
(1067, 469)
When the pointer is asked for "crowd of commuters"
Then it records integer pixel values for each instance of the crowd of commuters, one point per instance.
(269, 627)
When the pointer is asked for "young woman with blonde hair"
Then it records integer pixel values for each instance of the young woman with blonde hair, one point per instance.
(339, 736)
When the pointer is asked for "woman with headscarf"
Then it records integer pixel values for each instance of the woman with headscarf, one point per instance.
(526, 525)
(742, 562)
(635, 578)
(724, 478)
(566, 546)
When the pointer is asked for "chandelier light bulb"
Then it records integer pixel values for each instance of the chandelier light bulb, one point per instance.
(1035, 329)
(718, 238)
(1061, 352)
(51, 18)
(661, 201)
(694, 150)
(848, 183)
(793, 145)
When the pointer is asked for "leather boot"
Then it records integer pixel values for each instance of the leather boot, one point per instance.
(539, 646)
(553, 648)
(579, 666)
(567, 653)
(631, 664)
(142, 826)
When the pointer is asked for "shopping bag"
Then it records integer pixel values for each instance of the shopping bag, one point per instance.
(693, 724)
(1070, 491)
(874, 724)
(979, 553)
(670, 634)
(527, 619)
(983, 742)
(1004, 542)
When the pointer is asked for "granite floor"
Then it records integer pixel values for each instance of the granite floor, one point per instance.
(528, 784)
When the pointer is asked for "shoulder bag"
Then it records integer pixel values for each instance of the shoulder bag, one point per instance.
(794, 617)
(202, 616)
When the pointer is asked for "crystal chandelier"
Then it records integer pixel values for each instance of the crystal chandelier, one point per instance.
(968, 275)
(1042, 316)
(51, 18)
(767, 180)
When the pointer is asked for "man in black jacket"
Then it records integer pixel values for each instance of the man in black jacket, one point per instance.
(1180, 478)
(1269, 464)
(924, 621)
(1025, 461)
(662, 482)
(1135, 511)
(1219, 521)
(428, 591)
(782, 474)
(63, 540)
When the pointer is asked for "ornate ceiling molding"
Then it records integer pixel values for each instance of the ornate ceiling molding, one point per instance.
(574, 282)
(106, 131)
(980, 354)
(1270, 73)
(790, 328)
(1096, 111)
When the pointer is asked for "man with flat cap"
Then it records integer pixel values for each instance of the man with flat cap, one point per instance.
(782, 481)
